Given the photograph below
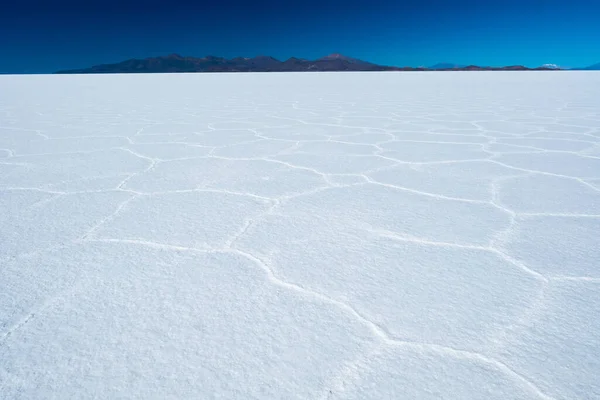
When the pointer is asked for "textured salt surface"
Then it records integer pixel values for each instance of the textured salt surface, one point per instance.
(300, 236)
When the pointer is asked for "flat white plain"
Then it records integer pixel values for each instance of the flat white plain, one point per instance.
(300, 236)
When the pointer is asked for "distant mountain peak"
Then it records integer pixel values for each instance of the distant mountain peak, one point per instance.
(446, 65)
(594, 67)
(335, 56)
(333, 62)
(550, 66)
(341, 57)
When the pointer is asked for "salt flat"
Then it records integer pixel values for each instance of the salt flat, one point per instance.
(300, 236)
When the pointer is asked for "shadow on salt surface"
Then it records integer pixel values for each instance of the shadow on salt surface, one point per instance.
(548, 194)
(417, 373)
(152, 323)
(415, 291)
(558, 347)
(255, 177)
(561, 246)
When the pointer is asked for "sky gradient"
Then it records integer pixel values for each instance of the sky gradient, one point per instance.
(43, 36)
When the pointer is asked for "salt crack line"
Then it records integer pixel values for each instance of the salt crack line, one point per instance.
(411, 239)
(154, 245)
(386, 338)
(572, 215)
(589, 279)
(133, 175)
(22, 322)
(433, 195)
(575, 178)
(33, 189)
(47, 303)
(108, 218)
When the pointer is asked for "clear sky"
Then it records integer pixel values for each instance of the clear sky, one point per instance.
(45, 36)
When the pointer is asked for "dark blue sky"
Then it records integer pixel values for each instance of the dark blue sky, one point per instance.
(44, 35)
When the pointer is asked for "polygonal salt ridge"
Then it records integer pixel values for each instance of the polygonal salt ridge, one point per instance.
(564, 335)
(594, 182)
(592, 152)
(513, 128)
(166, 138)
(169, 151)
(561, 145)
(563, 246)
(52, 168)
(15, 200)
(468, 180)
(334, 164)
(135, 299)
(547, 194)
(336, 147)
(222, 137)
(203, 220)
(498, 149)
(262, 148)
(450, 123)
(261, 178)
(85, 144)
(366, 138)
(87, 184)
(308, 132)
(579, 122)
(411, 289)
(10, 138)
(414, 213)
(57, 219)
(425, 152)
(235, 125)
(560, 164)
(414, 371)
(582, 137)
(566, 128)
(438, 137)
(173, 128)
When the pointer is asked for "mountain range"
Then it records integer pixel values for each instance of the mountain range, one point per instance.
(333, 62)
(595, 67)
